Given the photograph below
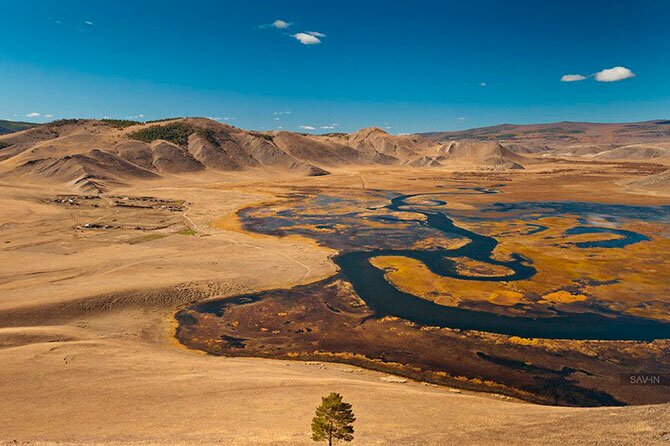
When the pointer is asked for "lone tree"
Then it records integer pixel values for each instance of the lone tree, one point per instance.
(333, 420)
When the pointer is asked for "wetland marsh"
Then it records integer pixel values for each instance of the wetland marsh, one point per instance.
(419, 263)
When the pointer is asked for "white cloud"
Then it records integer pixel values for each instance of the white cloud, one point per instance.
(89, 23)
(327, 127)
(277, 24)
(614, 74)
(572, 78)
(482, 84)
(307, 38)
(461, 118)
(316, 34)
(307, 127)
(49, 116)
(280, 24)
(277, 119)
(213, 119)
(32, 115)
(282, 113)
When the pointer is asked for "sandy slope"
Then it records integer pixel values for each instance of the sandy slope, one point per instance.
(87, 354)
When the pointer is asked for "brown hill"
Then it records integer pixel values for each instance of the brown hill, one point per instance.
(99, 154)
(562, 133)
(170, 158)
(424, 161)
(376, 140)
(320, 150)
(659, 182)
(580, 150)
(95, 155)
(14, 126)
(635, 152)
(86, 171)
(487, 154)
(527, 149)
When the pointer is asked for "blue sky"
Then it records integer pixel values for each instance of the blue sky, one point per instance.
(408, 66)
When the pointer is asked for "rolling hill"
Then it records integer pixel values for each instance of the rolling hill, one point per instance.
(96, 155)
(14, 126)
(562, 133)
(484, 153)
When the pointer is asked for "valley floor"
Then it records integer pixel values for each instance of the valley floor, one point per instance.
(88, 356)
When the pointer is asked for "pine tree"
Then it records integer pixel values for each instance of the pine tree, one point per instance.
(333, 420)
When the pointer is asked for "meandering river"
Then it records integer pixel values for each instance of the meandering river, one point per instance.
(371, 285)
(385, 299)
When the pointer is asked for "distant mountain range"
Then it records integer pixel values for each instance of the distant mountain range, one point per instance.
(96, 155)
(563, 133)
(616, 141)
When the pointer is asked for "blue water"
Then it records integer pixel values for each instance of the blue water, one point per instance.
(625, 237)
(358, 244)
(386, 300)
(533, 210)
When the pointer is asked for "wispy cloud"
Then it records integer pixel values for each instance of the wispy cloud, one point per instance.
(49, 116)
(304, 37)
(332, 126)
(572, 78)
(282, 113)
(461, 118)
(614, 74)
(88, 22)
(309, 38)
(32, 115)
(280, 24)
(277, 24)
(482, 84)
(307, 127)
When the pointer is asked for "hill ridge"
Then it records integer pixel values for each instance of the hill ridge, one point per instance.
(95, 155)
